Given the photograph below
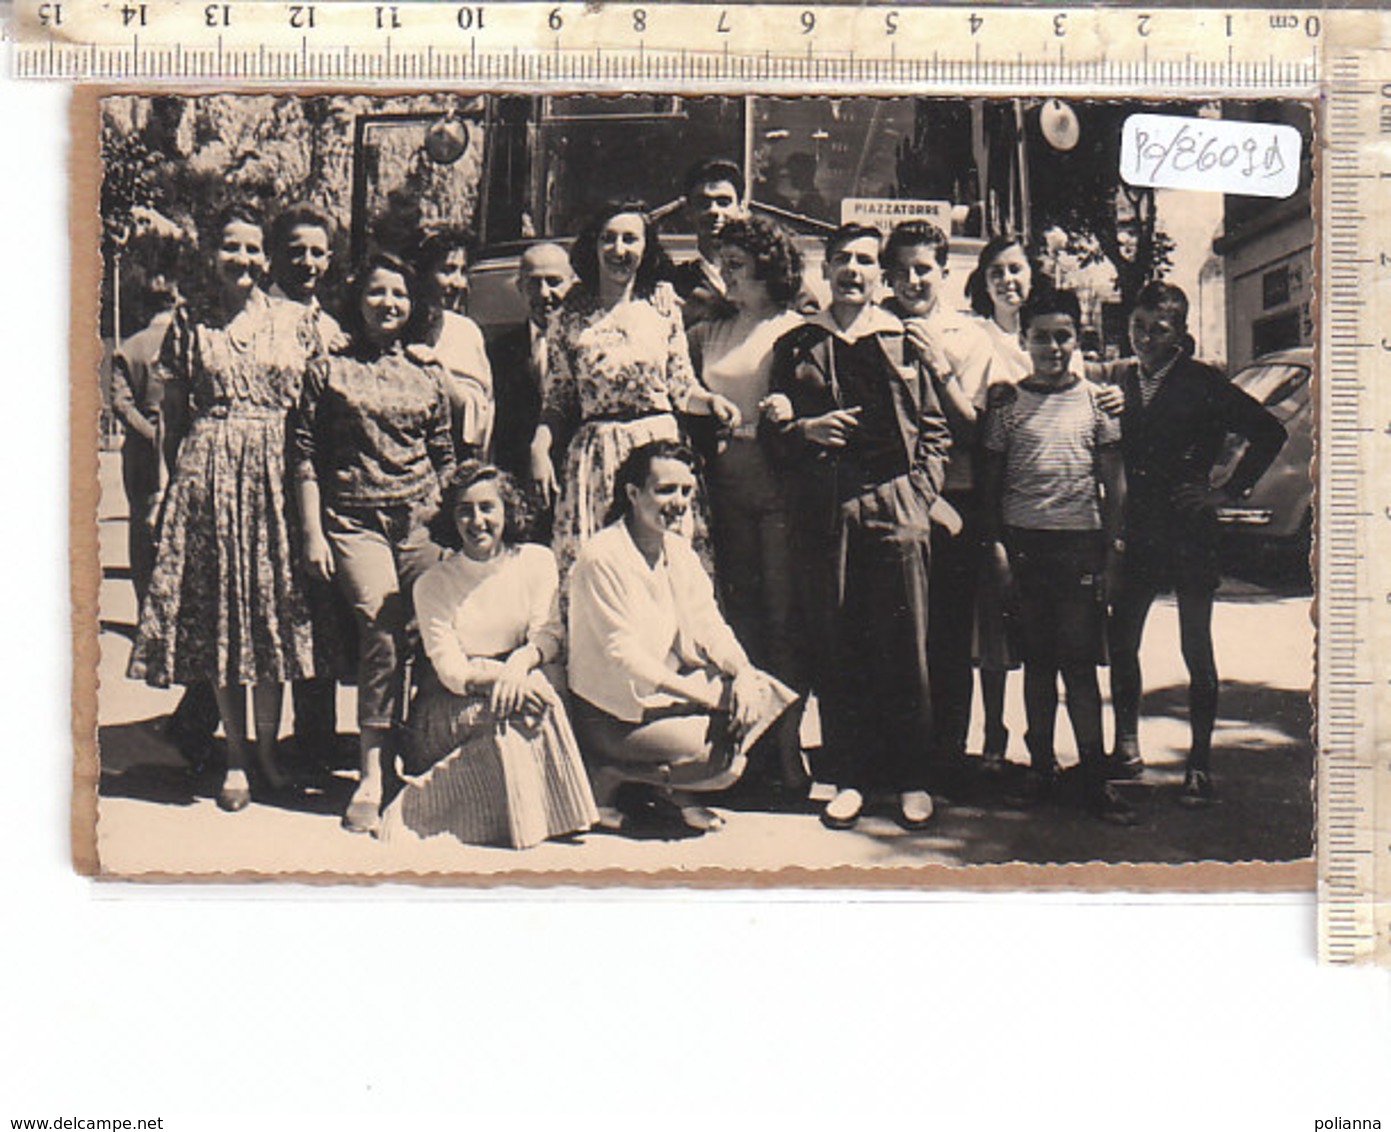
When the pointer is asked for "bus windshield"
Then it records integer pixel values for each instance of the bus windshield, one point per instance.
(553, 160)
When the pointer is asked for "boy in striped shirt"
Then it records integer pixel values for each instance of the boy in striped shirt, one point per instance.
(1054, 482)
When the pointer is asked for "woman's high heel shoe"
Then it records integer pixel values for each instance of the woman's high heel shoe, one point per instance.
(234, 795)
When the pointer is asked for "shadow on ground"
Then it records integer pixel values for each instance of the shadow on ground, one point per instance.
(1262, 761)
(140, 762)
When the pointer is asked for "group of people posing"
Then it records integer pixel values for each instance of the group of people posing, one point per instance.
(633, 535)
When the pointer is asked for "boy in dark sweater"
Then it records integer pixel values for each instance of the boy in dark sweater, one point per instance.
(1178, 415)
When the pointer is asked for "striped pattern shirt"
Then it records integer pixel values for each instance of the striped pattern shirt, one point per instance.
(1050, 438)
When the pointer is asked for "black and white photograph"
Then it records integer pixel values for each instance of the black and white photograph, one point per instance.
(694, 487)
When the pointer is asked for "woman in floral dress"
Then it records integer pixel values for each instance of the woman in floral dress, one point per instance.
(619, 372)
(227, 603)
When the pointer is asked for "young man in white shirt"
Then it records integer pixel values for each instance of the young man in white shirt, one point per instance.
(958, 355)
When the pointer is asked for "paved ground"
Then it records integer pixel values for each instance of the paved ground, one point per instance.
(157, 817)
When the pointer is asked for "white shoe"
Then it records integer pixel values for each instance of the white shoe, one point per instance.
(914, 808)
(843, 811)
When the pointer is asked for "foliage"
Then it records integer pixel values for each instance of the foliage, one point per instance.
(1081, 191)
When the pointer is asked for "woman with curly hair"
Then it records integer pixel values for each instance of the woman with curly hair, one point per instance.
(496, 759)
(373, 451)
(619, 372)
(762, 273)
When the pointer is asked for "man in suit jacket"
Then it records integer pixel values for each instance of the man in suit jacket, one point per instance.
(519, 362)
(1178, 415)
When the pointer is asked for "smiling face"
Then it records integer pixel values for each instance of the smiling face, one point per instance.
(622, 242)
(1156, 333)
(712, 205)
(451, 280)
(852, 270)
(386, 305)
(743, 288)
(240, 258)
(481, 517)
(544, 279)
(1050, 340)
(303, 261)
(661, 505)
(916, 278)
(1008, 278)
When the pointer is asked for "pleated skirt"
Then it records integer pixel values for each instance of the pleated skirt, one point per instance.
(509, 782)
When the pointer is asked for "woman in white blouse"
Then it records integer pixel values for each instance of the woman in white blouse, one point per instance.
(495, 758)
(733, 355)
(665, 698)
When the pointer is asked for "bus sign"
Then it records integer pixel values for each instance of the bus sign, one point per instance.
(883, 213)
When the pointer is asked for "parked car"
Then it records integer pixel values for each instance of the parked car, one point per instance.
(1278, 515)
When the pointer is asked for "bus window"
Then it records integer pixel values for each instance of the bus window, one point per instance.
(811, 153)
(599, 149)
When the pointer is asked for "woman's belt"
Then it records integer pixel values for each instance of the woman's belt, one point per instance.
(255, 412)
(626, 417)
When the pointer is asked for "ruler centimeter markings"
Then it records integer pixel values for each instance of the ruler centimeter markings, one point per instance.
(1341, 56)
(710, 45)
(1354, 766)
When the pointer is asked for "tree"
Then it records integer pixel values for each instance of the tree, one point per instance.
(1081, 191)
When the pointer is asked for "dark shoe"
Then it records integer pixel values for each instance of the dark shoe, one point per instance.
(233, 799)
(843, 811)
(663, 816)
(1125, 761)
(1104, 802)
(1198, 791)
(996, 746)
(1038, 785)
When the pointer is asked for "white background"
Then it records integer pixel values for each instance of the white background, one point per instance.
(357, 1007)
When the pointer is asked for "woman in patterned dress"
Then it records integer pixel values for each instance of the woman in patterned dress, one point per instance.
(619, 372)
(227, 603)
(496, 759)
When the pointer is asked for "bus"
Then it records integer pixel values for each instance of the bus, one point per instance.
(549, 161)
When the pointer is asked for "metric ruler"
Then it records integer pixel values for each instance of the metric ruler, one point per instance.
(715, 46)
(1342, 57)
(1354, 781)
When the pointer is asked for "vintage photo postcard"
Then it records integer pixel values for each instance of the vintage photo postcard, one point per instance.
(911, 491)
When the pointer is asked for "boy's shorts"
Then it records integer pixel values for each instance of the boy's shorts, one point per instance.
(1059, 576)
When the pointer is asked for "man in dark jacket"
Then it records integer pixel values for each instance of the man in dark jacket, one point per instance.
(714, 196)
(853, 414)
(519, 363)
(1178, 415)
